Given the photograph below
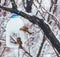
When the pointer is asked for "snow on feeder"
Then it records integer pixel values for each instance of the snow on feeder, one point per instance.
(13, 26)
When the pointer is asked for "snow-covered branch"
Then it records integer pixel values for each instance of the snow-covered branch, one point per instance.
(35, 20)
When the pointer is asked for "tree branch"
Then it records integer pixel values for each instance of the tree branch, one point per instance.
(35, 20)
(14, 6)
(40, 48)
(2, 51)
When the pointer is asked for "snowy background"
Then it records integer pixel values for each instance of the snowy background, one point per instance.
(33, 42)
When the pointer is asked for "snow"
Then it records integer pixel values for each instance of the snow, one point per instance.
(46, 4)
(12, 26)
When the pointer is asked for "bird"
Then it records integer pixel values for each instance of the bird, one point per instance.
(13, 26)
(25, 29)
(19, 42)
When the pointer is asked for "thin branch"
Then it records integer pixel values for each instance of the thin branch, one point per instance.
(40, 48)
(24, 3)
(38, 11)
(14, 6)
(52, 6)
(55, 18)
(27, 52)
(53, 48)
(2, 51)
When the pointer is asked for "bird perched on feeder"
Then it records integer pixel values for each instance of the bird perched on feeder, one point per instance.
(15, 25)
(19, 42)
(25, 29)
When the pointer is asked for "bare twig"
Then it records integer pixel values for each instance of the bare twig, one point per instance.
(2, 51)
(14, 6)
(39, 11)
(27, 52)
(40, 48)
(55, 18)
(53, 48)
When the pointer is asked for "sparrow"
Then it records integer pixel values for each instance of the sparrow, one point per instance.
(19, 42)
(25, 29)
